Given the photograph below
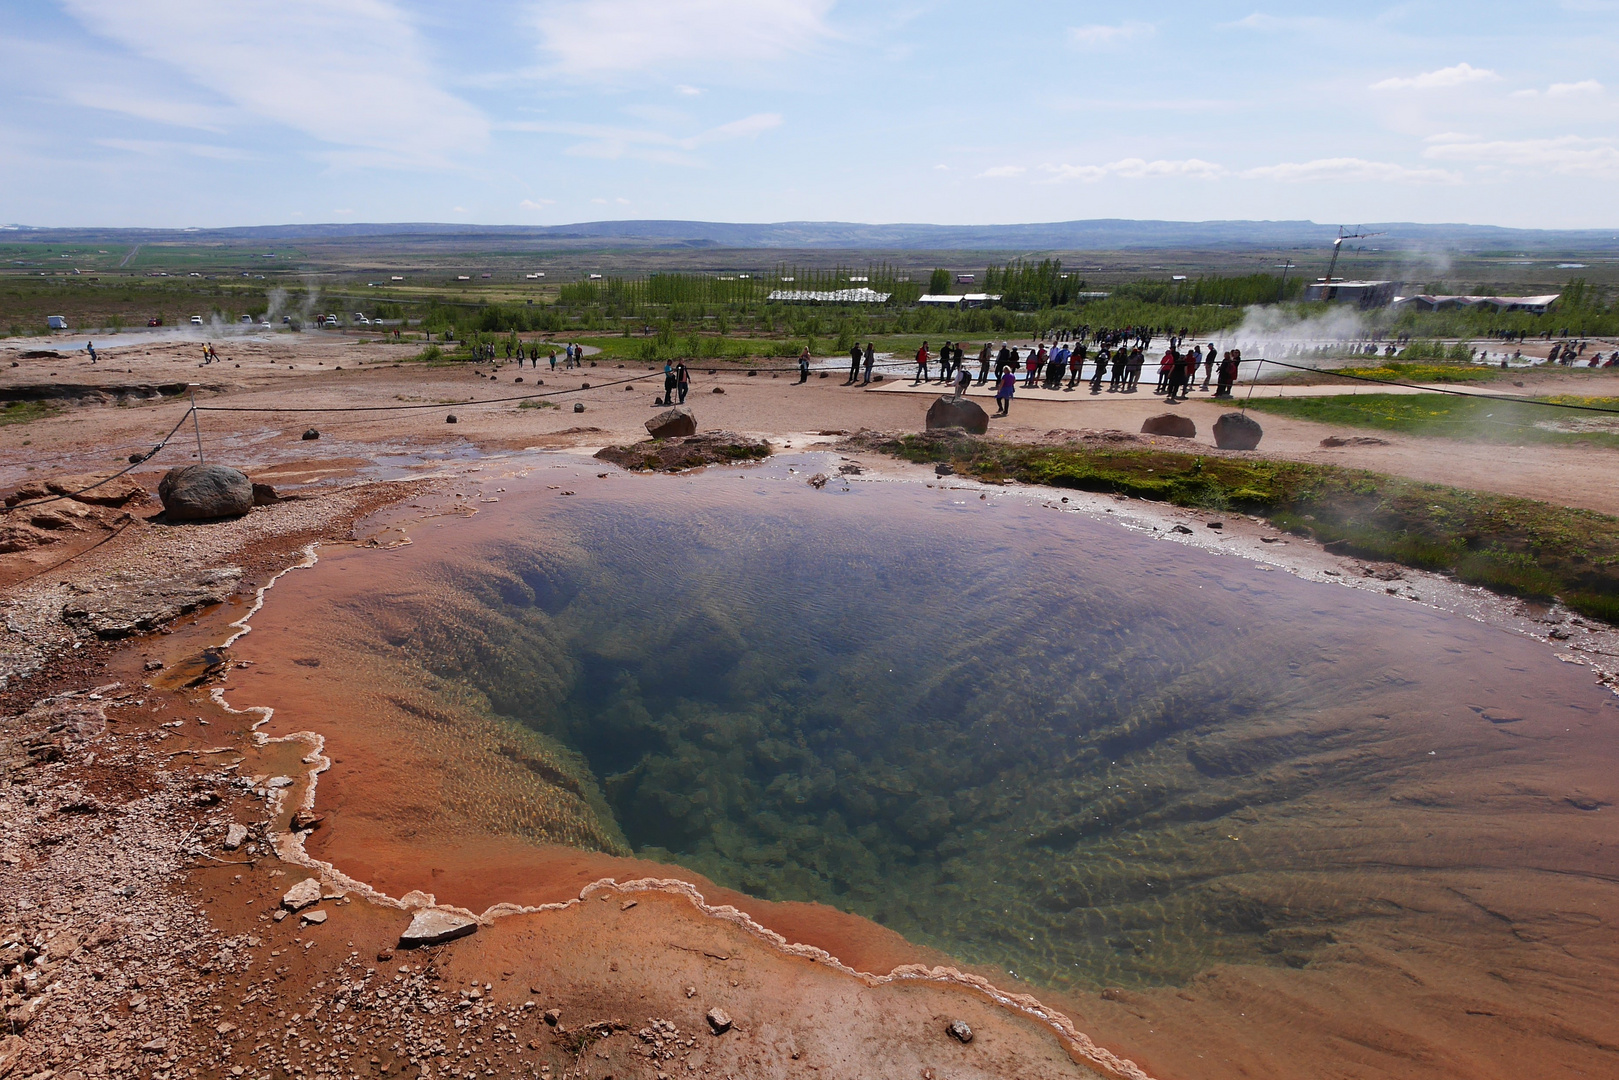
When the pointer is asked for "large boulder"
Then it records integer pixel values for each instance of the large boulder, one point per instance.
(1237, 431)
(1172, 424)
(201, 492)
(675, 423)
(949, 412)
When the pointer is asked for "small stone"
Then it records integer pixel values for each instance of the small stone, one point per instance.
(691, 991)
(385, 954)
(1181, 529)
(1216, 524)
(235, 836)
(719, 389)
(959, 1031)
(719, 1020)
(302, 895)
(278, 782)
(1171, 424)
(153, 665)
(431, 926)
(311, 435)
(553, 1017)
(317, 916)
(578, 406)
(626, 905)
(818, 481)
(304, 820)
(450, 419)
(944, 468)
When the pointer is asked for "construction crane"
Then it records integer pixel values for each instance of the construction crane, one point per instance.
(1337, 247)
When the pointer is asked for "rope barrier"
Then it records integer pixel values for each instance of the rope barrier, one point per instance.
(132, 465)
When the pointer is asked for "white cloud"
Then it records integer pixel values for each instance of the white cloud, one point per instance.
(1002, 172)
(1565, 89)
(1569, 155)
(352, 73)
(536, 204)
(160, 148)
(1458, 75)
(1136, 169)
(121, 99)
(1348, 170)
(610, 142)
(1100, 36)
(620, 39)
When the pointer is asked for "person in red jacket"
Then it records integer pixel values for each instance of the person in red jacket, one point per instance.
(922, 365)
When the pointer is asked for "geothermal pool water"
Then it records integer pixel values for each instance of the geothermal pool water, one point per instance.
(1034, 740)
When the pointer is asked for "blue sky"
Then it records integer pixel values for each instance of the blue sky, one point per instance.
(239, 112)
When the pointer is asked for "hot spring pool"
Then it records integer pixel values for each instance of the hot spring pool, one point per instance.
(1034, 740)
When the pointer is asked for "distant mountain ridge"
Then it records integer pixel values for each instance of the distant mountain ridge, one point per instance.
(1102, 234)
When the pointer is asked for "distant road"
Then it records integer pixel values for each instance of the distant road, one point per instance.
(132, 253)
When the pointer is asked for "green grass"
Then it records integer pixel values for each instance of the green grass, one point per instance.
(20, 412)
(1514, 546)
(536, 404)
(1443, 416)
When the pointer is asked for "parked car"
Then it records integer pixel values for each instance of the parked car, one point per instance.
(196, 320)
(56, 322)
(155, 320)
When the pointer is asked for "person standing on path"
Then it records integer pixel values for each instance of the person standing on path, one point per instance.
(90, 347)
(921, 365)
(1003, 395)
(1102, 358)
(682, 380)
(854, 364)
(983, 364)
(871, 361)
(1208, 365)
(803, 366)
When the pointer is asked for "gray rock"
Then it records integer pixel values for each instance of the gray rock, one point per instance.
(264, 495)
(279, 782)
(1237, 431)
(311, 435)
(719, 1021)
(301, 895)
(1172, 424)
(431, 926)
(675, 423)
(205, 492)
(134, 601)
(947, 412)
(235, 836)
(317, 916)
(959, 1031)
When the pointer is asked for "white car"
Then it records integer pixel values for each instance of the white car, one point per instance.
(196, 320)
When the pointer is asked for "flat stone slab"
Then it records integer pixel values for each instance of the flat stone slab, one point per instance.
(301, 895)
(432, 926)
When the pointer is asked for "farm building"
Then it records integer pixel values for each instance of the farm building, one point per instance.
(1535, 305)
(1366, 294)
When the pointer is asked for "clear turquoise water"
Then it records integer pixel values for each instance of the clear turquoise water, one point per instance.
(1036, 740)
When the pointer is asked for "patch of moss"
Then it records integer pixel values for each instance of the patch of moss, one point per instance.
(1518, 547)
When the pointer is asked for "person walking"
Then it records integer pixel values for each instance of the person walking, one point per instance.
(668, 383)
(553, 360)
(682, 380)
(854, 364)
(871, 361)
(921, 365)
(803, 366)
(1003, 395)
(964, 379)
(983, 364)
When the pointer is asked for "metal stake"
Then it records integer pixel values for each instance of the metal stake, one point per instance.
(196, 424)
